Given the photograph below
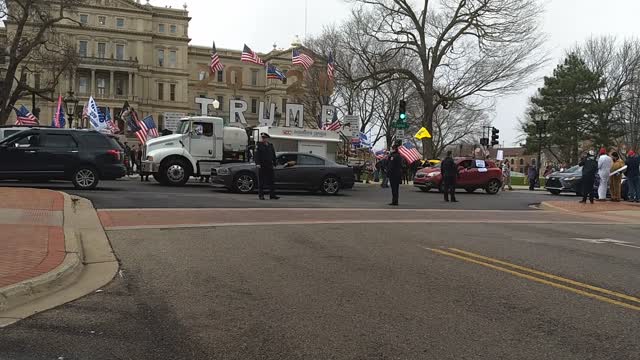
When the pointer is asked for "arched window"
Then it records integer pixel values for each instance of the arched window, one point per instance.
(533, 162)
(512, 162)
(521, 162)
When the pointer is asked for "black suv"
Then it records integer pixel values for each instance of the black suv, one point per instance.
(82, 156)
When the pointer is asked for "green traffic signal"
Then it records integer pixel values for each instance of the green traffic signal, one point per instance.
(403, 116)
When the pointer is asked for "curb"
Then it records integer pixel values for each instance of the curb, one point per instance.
(546, 206)
(89, 264)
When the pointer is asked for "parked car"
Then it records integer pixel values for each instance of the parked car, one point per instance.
(570, 180)
(82, 156)
(474, 174)
(295, 171)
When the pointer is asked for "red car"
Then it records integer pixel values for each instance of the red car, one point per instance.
(474, 174)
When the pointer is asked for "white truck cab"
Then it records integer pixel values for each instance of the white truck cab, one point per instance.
(199, 143)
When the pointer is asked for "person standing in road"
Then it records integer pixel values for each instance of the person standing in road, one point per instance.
(589, 171)
(265, 157)
(506, 175)
(616, 180)
(532, 176)
(604, 169)
(450, 176)
(633, 176)
(394, 172)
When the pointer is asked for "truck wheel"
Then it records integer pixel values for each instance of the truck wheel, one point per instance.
(158, 177)
(244, 183)
(175, 172)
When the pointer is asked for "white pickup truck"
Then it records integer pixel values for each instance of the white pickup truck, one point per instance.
(200, 143)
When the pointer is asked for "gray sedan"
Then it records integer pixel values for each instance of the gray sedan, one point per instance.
(295, 171)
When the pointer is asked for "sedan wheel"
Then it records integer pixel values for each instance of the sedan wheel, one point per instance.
(85, 179)
(493, 187)
(330, 185)
(245, 183)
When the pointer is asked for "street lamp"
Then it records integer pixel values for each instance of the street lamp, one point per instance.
(70, 105)
(216, 104)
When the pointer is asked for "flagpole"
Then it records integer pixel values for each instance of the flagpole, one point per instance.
(306, 7)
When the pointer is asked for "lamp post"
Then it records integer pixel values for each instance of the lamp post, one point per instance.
(70, 105)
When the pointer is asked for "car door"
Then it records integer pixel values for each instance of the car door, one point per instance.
(285, 171)
(21, 157)
(201, 140)
(482, 172)
(467, 174)
(61, 153)
(310, 171)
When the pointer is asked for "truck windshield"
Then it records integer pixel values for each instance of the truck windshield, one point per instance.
(184, 127)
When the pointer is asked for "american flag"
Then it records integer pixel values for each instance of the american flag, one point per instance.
(333, 126)
(249, 56)
(58, 117)
(409, 153)
(380, 154)
(275, 73)
(331, 67)
(25, 117)
(298, 58)
(135, 126)
(150, 125)
(110, 123)
(215, 65)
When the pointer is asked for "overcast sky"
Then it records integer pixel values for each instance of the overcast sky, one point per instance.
(261, 23)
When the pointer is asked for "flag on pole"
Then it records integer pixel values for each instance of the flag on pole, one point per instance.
(152, 129)
(409, 153)
(299, 58)
(135, 126)
(423, 133)
(110, 123)
(58, 120)
(334, 125)
(275, 73)
(251, 57)
(331, 69)
(380, 154)
(24, 117)
(216, 64)
(93, 114)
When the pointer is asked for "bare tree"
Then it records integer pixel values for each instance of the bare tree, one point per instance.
(33, 47)
(461, 47)
(618, 63)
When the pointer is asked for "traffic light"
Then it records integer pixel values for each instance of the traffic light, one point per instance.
(403, 110)
(495, 136)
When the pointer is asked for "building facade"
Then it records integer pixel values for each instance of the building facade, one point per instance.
(140, 53)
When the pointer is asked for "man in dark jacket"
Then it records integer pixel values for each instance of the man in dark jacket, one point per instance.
(265, 157)
(633, 176)
(394, 172)
(450, 176)
(589, 171)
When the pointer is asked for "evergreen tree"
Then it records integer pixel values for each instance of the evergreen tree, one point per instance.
(567, 106)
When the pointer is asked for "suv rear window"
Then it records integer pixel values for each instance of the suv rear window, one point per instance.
(97, 140)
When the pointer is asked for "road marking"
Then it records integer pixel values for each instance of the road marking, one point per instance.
(319, 210)
(538, 280)
(608, 241)
(550, 276)
(342, 222)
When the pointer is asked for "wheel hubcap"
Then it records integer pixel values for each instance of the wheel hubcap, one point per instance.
(330, 186)
(494, 186)
(175, 173)
(245, 183)
(85, 178)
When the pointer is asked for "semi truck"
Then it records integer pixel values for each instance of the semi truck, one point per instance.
(199, 144)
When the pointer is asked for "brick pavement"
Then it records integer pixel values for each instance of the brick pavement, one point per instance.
(597, 207)
(31, 233)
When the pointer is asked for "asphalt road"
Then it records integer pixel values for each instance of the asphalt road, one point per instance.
(358, 291)
(134, 194)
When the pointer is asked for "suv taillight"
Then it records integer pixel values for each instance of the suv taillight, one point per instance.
(114, 153)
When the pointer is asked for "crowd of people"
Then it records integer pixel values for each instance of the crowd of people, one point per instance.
(603, 174)
(133, 160)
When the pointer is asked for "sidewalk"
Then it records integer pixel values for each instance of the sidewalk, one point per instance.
(31, 234)
(618, 211)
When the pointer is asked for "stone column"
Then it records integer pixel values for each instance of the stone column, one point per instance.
(112, 93)
(93, 82)
(130, 88)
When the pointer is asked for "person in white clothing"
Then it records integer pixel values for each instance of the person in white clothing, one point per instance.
(604, 168)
